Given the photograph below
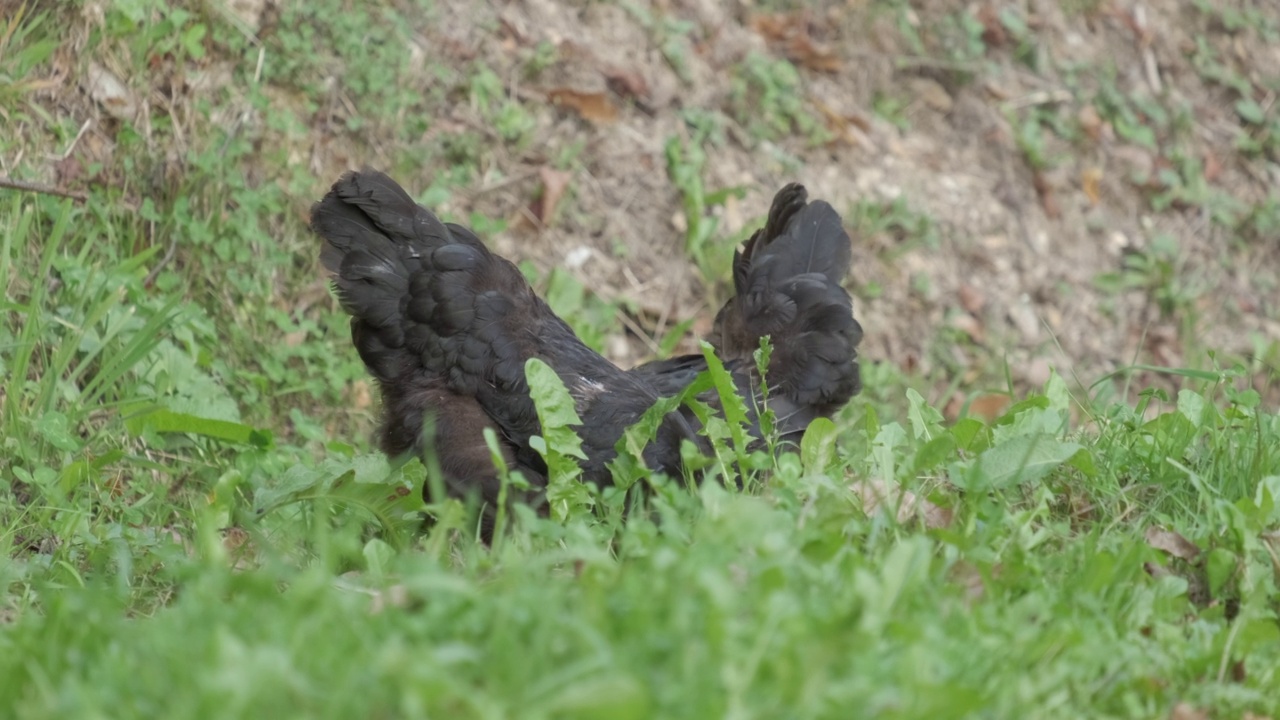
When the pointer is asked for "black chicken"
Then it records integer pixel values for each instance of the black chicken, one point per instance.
(445, 327)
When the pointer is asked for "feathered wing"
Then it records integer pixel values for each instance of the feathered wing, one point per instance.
(446, 327)
(389, 259)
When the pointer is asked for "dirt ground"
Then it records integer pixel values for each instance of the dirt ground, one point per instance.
(1038, 150)
(1010, 275)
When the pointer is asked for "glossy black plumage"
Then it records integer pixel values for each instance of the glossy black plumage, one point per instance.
(445, 327)
(787, 286)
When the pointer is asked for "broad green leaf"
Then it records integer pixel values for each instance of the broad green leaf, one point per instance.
(1220, 566)
(164, 420)
(1055, 390)
(1191, 404)
(555, 404)
(968, 433)
(934, 453)
(926, 421)
(818, 446)
(735, 409)
(54, 427)
(1250, 111)
(890, 437)
(1025, 458)
(558, 444)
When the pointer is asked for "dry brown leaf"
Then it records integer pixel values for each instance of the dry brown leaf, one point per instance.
(1212, 167)
(1090, 122)
(951, 411)
(1156, 570)
(932, 93)
(989, 408)
(970, 326)
(68, 171)
(1172, 543)
(838, 124)
(993, 32)
(791, 33)
(876, 494)
(772, 26)
(1048, 200)
(971, 298)
(1090, 183)
(554, 183)
(801, 49)
(626, 83)
(592, 106)
(107, 90)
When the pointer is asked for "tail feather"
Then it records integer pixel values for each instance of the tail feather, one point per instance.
(787, 277)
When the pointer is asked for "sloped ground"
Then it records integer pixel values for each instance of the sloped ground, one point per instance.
(185, 479)
(1078, 185)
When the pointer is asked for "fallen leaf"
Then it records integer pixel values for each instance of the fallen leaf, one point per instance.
(1156, 570)
(1172, 543)
(107, 90)
(554, 183)
(970, 326)
(772, 26)
(993, 32)
(932, 93)
(68, 171)
(626, 83)
(802, 50)
(593, 106)
(791, 33)
(1048, 200)
(1212, 167)
(1090, 122)
(989, 408)
(971, 298)
(838, 124)
(1090, 182)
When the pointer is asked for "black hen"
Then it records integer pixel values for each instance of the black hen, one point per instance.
(445, 327)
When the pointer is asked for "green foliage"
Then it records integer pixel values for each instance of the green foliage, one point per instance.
(766, 97)
(685, 161)
(183, 536)
(23, 48)
(558, 445)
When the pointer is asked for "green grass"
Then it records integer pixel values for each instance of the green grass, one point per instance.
(193, 524)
